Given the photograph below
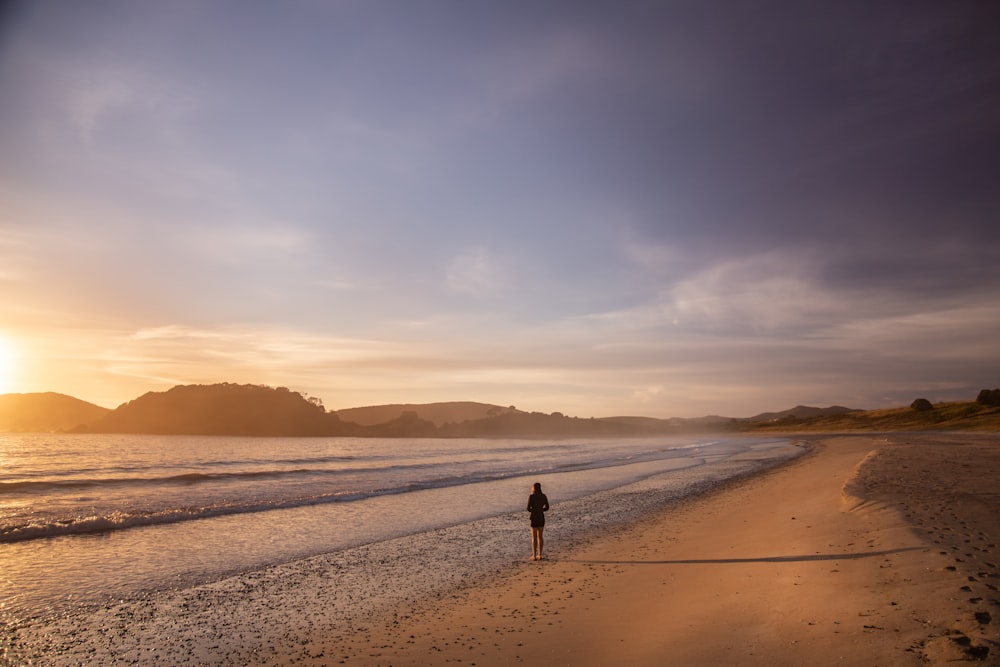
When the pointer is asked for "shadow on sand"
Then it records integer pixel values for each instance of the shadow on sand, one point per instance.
(762, 559)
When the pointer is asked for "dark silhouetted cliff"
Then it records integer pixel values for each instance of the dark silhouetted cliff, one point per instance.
(221, 409)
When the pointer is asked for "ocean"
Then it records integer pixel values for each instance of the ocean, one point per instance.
(87, 519)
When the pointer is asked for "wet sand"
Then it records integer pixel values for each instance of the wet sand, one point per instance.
(866, 551)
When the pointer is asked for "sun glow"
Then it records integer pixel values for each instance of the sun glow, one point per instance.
(8, 357)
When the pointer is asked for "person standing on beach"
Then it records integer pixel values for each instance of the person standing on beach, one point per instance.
(538, 505)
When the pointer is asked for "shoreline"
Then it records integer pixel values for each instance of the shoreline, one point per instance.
(788, 567)
(806, 562)
(282, 613)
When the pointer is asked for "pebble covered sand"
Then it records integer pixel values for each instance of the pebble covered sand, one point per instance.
(947, 487)
(286, 614)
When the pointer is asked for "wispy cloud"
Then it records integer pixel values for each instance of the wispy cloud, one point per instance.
(505, 79)
(100, 97)
(476, 272)
(250, 243)
(768, 293)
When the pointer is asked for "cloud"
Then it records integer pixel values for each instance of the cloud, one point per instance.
(647, 395)
(179, 354)
(654, 258)
(765, 293)
(518, 73)
(15, 249)
(475, 272)
(962, 334)
(98, 97)
(250, 244)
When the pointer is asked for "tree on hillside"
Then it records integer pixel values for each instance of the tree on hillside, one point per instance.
(922, 405)
(989, 397)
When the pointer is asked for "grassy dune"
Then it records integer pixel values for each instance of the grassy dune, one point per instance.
(967, 416)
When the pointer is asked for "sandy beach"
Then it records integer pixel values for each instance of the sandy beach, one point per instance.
(865, 551)
(869, 551)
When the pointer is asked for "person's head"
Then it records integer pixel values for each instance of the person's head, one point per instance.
(537, 488)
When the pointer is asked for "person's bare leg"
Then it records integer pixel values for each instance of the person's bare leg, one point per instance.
(541, 542)
(536, 550)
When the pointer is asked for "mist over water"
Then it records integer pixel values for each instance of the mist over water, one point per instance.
(84, 518)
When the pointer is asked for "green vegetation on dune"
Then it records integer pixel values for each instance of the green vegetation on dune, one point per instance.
(967, 415)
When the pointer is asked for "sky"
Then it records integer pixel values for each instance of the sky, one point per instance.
(669, 208)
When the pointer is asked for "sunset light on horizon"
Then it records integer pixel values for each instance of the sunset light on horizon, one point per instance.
(667, 209)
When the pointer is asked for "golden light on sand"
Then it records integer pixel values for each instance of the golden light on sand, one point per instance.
(8, 359)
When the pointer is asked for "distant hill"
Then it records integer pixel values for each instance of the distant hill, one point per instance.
(436, 413)
(473, 420)
(802, 412)
(220, 409)
(45, 412)
(256, 410)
